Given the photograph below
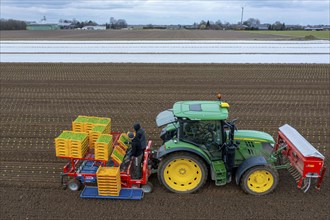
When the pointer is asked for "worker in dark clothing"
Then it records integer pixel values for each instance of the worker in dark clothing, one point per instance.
(141, 134)
(136, 156)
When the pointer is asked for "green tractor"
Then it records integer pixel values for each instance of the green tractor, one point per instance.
(198, 142)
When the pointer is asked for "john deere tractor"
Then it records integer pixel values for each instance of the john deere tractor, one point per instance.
(198, 141)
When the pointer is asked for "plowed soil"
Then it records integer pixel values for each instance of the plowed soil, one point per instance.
(38, 101)
(138, 35)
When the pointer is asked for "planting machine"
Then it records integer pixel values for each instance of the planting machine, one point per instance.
(199, 143)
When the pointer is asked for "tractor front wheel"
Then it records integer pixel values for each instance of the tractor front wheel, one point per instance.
(182, 172)
(259, 180)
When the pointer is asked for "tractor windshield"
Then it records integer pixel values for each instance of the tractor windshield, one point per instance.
(206, 134)
(165, 117)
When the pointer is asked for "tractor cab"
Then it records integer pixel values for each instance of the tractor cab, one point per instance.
(200, 123)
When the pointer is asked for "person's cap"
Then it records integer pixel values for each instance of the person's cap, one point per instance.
(137, 126)
(131, 135)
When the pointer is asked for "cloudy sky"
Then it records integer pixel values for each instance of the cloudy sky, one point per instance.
(169, 11)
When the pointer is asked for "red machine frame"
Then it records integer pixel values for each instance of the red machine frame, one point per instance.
(70, 169)
(308, 167)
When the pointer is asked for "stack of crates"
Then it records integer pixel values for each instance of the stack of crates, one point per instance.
(105, 122)
(95, 133)
(103, 147)
(118, 155)
(78, 144)
(91, 123)
(108, 181)
(123, 141)
(71, 144)
(78, 124)
(86, 123)
(62, 144)
(94, 126)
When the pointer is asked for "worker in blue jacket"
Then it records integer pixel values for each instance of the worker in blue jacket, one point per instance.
(136, 156)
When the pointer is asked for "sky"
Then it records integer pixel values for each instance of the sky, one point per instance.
(169, 11)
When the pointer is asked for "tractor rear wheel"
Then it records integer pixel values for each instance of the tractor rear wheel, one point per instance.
(182, 172)
(259, 180)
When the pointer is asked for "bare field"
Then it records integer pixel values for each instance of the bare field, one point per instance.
(38, 101)
(317, 34)
(139, 35)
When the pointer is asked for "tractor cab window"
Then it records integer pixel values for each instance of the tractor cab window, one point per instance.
(206, 134)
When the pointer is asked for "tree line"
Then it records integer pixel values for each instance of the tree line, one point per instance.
(249, 24)
(12, 24)
(72, 24)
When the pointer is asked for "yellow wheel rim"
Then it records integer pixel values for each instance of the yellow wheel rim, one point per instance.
(182, 174)
(260, 181)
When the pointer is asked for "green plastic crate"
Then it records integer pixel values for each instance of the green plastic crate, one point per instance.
(93, 120)
(118, 155)
(104, 139)
(65, 135)
(81, 119)
(104, 121)
(98, 128)
(79, 136)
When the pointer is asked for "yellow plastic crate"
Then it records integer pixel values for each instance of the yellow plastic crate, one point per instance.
(120, 150)
(94, 134)
(105, 122)
(62, 144)
(115, 159)
(103, 147)
(87, 123)
(71, 144)
(78, 144)
(122, 140)
(79, 152)
(108, 181)
(78, 124)
(108, 172)
(91, 122)
(118, 155)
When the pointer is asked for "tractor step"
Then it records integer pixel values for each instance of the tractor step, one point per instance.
(220, 172)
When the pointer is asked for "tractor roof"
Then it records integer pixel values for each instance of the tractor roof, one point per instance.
(201, 110)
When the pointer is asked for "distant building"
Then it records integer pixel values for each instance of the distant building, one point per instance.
(41, 27)
(294, 27)
(94, 28)
(239, 27)
(151, 26)
(326, 27)
(174, 27)
(313, 29)
(263, 27)
(190, 27)
(66, 25)
(137, 27)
